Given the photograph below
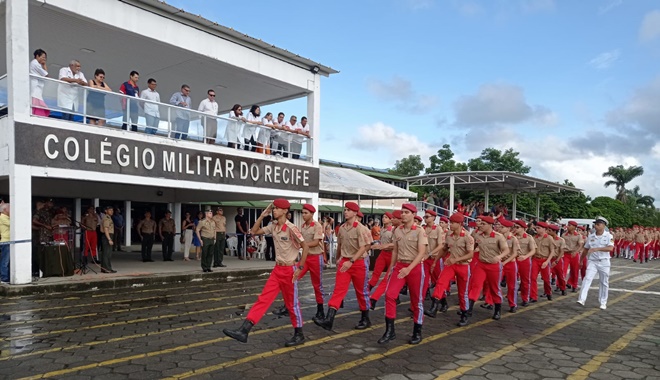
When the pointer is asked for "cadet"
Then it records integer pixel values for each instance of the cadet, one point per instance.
(206, 234)
(557, 267)
(545, 251)
(510, 264)
(597, 250)
(527, 246)
(574, 245)
(312, 232)
(386, 245)
(108, 230)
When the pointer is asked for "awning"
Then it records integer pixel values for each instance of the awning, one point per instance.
(341, 183)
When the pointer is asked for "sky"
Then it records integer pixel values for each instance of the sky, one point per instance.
(574, 86)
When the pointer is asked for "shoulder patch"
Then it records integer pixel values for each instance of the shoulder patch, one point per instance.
(524, 235)
(355, 224)
(284, 227)
(389, 229)
(492, 234)
(414, 227)
(434, 227)
(312, 224)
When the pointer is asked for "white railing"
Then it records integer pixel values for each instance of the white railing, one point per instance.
(115, 110)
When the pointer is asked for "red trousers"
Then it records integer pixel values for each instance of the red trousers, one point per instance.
(487, 277)
(525, 273)
(545, 275)
(314, 264)
(558, 271)
(639, 251)
(511, 273)
(415, 281)
(574, 265)
(91, 241)
(382, 265)
(357, 274)
(461, 274)
(431, 272)
(278, 281)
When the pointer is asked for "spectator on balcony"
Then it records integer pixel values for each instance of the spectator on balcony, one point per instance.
(276, 135)
(130, 88)
(151, 110)
(233, 130)
(286, 138)
(301, 134)
(96, 99)
(250, 130)
(182, 122)
(38, 68)
(210, 106)
(68, 97)
(264, 134)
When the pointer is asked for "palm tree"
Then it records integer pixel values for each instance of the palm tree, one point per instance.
(637, 199)
(621, 177)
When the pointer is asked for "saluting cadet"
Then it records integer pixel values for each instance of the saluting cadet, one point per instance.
(457, 252)
(312, 232)
(527, 246)
(353, 241)
(410, 244)
(510, 264)
(434, 236)
(284, 276)
(557, 266)
(574, 244)
(386, 245)
(597, 250)
(545, 251)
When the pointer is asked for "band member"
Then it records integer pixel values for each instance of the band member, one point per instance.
(410, 244)
(312, 232)
(353, 241)
(597, 249)
(527, 246)
(89, 222)
(510, 264)
(557, 267)
(545, 251)
(574, 245)
(386, 243)
(284, 277)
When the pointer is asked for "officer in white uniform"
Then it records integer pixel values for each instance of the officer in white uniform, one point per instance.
(597, 248)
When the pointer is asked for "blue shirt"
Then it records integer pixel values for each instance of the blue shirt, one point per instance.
(118, 220)
(178, 99)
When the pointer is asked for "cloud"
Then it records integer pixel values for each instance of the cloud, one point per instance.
(609, 6)
(379, 136)
(417, 5)
(639, 116)
(650, 28)
(533, 6)
(499, 104)
(604, 60)
(468, 8)
(400, 91)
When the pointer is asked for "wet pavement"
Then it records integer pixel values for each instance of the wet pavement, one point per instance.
(175, 331)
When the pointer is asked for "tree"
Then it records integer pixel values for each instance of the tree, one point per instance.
(618, 214)
(621, 177)
(443, 162)
(408, 167)
(492, 159)
(635, 198)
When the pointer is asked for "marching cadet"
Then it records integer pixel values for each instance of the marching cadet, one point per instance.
(386, 245)
(510, 264)
(545, 251)
(206, 234)
(527, 249)
(353, 241)
(638, 240)
(557, 266)
(410, 243)
(434, 236)
(457, 252)
(108, 230)
(597, 250)
(312, 232)
(89, 222)
(488, 272)
(574, 245)
(284, 276)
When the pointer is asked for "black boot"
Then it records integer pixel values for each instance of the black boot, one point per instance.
(487, 306)
(241, 334)
(329, 320)
(549, 297)
(373, 303)
(470, 308)
(319, 311)
(282, 311)
(416, 335)
(513, 309)
(342, 304)
(433, 310)
(443, 305)
(498, 312)
(464, 318)
(364, 321)
(389, 331)
(370, 287)
(398, 301)
(404, 290)
(297, 338)
(428, 294)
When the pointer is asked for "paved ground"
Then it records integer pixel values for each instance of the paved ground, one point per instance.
(176, 331)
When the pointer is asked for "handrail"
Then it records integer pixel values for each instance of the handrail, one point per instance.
(421, 205)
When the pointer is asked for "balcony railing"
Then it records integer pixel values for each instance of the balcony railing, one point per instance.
(98, 108)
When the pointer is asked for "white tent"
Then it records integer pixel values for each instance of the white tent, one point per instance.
(346, 183)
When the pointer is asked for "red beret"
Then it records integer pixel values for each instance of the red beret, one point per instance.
(554, 227)
(396, 214)
(581, 227)
(505, 223)
(410, 207)
(542, 224)
(430, 212)
(418, 218)
(309, 208)
(281, 203)
(389, 215)
(572, 223)
(521, 223)
(352, 206)
(444, 219)
(486, 219)
(360, 214)
(472, 224)
(457, 218)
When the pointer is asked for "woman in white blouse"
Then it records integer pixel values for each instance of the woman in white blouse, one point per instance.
(250, 129)
(264, 134)
(38, 68)
(233, 130)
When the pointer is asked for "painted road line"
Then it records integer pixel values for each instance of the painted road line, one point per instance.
(643, 278)
(633, 291)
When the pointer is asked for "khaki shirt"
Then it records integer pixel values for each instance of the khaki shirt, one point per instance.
(434, 235)
(544, 246)
(310, 232)
(491, 246)
(90, 221)
(146, 226)
(526, 244)
(513, 244)
(352, 237)
(560, 247)
(220, 223)
(407, 242)
(459, 245)
(286, 240)
(573, 241)
(206, 228)
(108, 225)
(167, 226)
(387, 236)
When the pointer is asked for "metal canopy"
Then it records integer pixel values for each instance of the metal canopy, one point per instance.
(343, 183)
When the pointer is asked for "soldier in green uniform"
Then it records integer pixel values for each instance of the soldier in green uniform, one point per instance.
(108, 230)
(206, 234)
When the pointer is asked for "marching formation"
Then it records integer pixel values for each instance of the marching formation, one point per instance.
(424, 260)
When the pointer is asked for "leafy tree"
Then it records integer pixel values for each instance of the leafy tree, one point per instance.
(635, 198)
(618, 214)
(408, 167)
(621, 177)
(443, 162)
(492, 159)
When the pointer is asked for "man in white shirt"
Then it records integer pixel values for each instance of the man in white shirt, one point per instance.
(68, 94)
(209, 106)
(302, 131)
(276, 136)
(286, 138)
(597, 249)
(151, 110)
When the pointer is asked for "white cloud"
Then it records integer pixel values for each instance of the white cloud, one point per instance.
(417, 5)
(533, 6)
(401, 92)
(468, 8)
(609, 6)
(379, 136)
(650, 28)
(605, 60)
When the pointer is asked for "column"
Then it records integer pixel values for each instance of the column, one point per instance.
(77, 215)
(538, 207)
(20, 196)
(451, 194)
(314, 117)
(177, 222)
(514, 207)
(486, 195)
(18, 60)
(128, 222)
(97, 203)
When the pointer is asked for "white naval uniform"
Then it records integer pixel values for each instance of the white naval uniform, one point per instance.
(597, 262)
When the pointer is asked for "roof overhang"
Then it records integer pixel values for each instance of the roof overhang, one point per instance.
(341, 183)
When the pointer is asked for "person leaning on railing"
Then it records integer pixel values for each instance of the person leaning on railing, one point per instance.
(151, 110)
(233, 130)
(96, 99)
(130, 88)
(263, 141)
(276, 135)
(182, 122)
(38, 68)
(250, 129)
(302, 131)
(67, 94)
(210, 106)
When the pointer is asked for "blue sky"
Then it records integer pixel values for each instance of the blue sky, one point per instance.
(574, 86)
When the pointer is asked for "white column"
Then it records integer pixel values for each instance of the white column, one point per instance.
(97, 202)
(18, 60)
(486, 195)
(77, 215)
(177, 222)
(20, 196)
(515, 206)
(314, 117)
(538, 207)
(451, 194)
(127, 224)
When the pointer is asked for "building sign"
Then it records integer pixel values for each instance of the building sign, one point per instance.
(51, 147)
